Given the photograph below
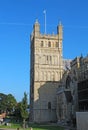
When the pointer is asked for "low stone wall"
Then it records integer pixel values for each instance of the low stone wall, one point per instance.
(82, 120)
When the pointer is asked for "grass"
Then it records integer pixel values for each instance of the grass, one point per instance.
(46, 127)
(14, 126)
(34, 126)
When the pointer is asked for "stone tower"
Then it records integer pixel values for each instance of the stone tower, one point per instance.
(45, 73)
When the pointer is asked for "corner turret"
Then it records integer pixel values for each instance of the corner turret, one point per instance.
(36, 28)
(60, 31)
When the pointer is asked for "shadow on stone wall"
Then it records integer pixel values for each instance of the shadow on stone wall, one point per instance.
(46, 101)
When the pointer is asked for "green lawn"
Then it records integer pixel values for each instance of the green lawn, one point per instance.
(47, 128)
(34, 127)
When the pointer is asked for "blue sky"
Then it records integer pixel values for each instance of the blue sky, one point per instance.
(16, 21)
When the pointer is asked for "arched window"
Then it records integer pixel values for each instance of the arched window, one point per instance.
(49, 44)
(49, 105)
(41, 43)
(56, 44)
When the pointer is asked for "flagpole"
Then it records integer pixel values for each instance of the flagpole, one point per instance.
(45, 19)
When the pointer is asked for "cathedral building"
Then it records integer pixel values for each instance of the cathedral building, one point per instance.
(67, 95)
(72, 95)
(45, 73)
(58, 87)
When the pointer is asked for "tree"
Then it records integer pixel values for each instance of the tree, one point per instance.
(23, 108)
(7, 103)
(17, 112)
(3, 106)
(11, 103)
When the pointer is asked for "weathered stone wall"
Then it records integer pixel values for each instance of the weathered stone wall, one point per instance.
(82, 120)
(46, 72)
(44, 94)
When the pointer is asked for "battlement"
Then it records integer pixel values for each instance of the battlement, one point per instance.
(36, 32)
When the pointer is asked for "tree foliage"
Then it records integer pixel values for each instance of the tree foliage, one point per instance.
(3, 106)
(7, 103)
(24, 106)
(21, 112)
(11, 102)
(17, 112)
